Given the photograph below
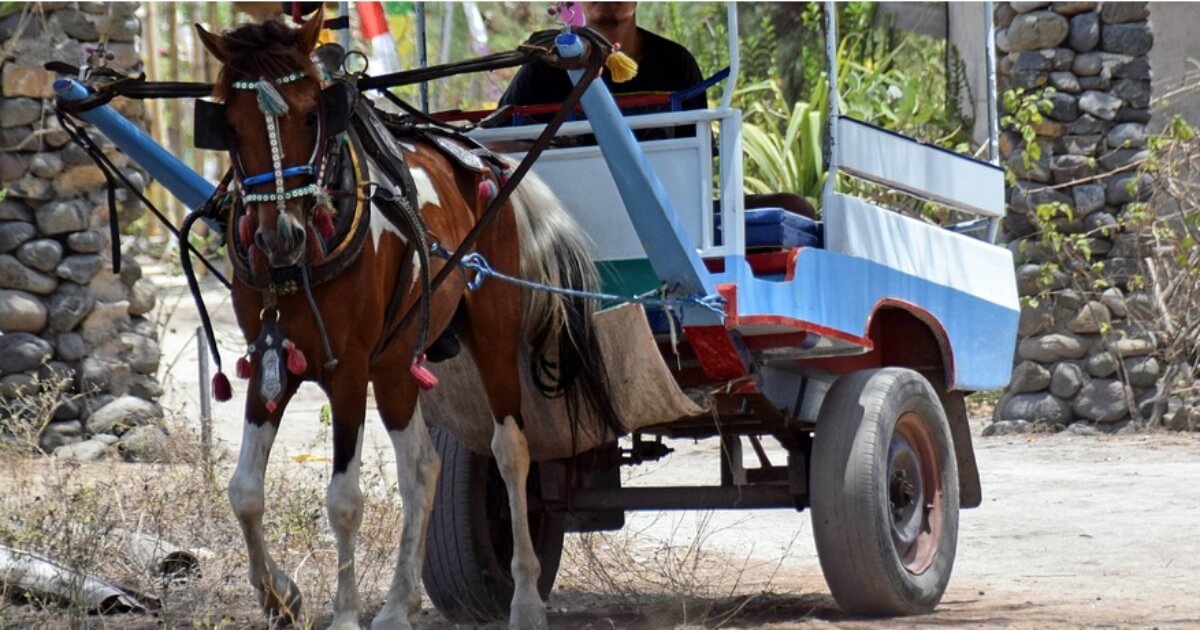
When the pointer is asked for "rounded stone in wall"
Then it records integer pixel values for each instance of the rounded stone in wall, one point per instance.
(80, 268)
(1115, 301)
(1092, 318)
(1142, 371)
(23, 352)
(1052, 348)
(1134, 39)
(104, 321)
(1084, 32)
(21, 312)
(1041, 408)
(1067, 380)
(14, 275)
(1029, 377)
(122, 414)
(62, 217)
(142, 298)
(88, 241)
(14, 210)
(69, 305)
(46, 165)
(1100, 104)
(1102, 401)
(42, 254)
(1036, 30)
(1101, 365)
(1120, 12)
(13, 234)
(70, 346)
(1073, 8)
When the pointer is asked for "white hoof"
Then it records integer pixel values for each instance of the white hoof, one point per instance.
(346, 622)
(391, 619)
(527, 616)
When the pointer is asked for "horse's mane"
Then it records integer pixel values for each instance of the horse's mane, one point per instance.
(267, 50)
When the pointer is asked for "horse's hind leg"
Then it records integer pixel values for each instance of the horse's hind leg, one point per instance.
(512, 458)
(347, 392)
(417, 469)
(277, 594)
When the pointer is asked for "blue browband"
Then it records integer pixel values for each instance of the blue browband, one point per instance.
(291, 171)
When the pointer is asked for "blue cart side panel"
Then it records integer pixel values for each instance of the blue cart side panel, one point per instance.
(843, 292)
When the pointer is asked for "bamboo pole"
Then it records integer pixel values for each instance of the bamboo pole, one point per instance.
(172, 121)
(156, 127)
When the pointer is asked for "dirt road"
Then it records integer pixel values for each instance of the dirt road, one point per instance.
(1074, 532)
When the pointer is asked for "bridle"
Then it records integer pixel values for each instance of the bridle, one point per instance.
(273, 107)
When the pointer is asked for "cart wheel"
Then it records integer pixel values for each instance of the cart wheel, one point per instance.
(469, 554)
(884, 493)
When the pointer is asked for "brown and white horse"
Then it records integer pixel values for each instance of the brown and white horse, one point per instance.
(531, 237)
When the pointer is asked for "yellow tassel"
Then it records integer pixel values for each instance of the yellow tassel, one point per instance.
(622, 66)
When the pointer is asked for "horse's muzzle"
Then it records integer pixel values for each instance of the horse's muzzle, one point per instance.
(284, 246)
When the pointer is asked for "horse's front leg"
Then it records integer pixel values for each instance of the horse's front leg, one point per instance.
(417, 469)
(347, 392)
(512, 458)
(277, 594)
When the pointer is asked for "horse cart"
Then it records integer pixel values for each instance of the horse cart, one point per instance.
(850, 341)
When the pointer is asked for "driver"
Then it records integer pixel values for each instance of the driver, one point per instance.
(663, 65)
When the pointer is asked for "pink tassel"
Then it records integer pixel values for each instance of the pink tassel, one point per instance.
(487, 189)
(324, 224)
(246, 230)
(221, 389)
(425, 379)
(296, 363)
(243, 367)
(271, 406)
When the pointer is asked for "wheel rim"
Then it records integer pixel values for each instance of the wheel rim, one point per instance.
(914, 493)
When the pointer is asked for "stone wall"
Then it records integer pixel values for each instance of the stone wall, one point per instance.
(1083, 360)
(64, 316)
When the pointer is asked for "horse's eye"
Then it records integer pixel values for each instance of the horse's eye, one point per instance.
(311, 119)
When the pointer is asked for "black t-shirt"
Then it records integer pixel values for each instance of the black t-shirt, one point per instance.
(665, 67)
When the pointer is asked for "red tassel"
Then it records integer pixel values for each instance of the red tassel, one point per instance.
(324, 224)
(425, 379)
(487, 189)
(271, 406)
(246, 230)
(296, 363)
(243, 367)
(221, 389)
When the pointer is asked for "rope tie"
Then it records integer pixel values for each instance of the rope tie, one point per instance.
(476, 262)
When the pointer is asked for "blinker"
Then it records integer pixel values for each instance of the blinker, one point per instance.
(211, 130)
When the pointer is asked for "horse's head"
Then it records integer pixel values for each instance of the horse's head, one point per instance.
(272, 93)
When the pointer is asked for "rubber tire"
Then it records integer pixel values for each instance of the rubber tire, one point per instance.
(849, 493)
(467, 559)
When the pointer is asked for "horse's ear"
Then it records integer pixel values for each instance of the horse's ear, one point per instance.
(310, 32)
(214, 43)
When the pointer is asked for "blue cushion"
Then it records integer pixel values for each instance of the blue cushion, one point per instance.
(776, 227)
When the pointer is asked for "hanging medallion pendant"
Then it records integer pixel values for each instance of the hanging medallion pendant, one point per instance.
(277, 356)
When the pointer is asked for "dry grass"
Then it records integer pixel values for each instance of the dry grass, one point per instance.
(74, 512)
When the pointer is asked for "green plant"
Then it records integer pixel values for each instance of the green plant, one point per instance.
(782, 142)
